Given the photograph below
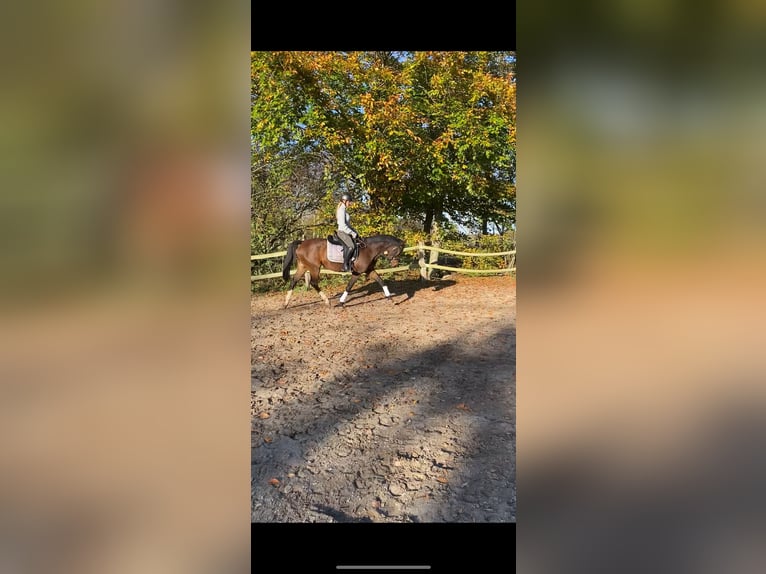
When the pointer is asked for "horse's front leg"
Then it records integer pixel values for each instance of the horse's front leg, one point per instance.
(379, 280)
(349, 285)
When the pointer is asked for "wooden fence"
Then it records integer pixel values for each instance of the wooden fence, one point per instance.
(419, 263)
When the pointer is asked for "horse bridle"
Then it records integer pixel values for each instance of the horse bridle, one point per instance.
(395, 259)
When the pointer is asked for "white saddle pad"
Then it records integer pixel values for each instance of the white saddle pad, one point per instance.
(334, 252)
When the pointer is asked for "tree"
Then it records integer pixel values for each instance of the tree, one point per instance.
(285, 192)
(414, 134)
(463, 105)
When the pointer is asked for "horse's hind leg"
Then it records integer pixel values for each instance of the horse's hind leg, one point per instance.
(315, 285)
(298, 274)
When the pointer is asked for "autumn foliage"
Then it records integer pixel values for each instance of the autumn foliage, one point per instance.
(417, 137)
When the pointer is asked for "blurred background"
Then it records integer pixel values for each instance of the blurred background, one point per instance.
(124, 291)
(641, 237)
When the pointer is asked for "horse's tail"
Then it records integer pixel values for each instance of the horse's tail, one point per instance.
(288, 260)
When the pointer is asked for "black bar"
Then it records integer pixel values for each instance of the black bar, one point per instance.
(451, 547)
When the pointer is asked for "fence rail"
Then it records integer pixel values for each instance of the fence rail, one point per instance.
(418, 264)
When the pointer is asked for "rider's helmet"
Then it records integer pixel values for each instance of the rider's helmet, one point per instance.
(346, 197)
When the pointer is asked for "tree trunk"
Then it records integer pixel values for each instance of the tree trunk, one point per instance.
(484, 226)
(429, 220)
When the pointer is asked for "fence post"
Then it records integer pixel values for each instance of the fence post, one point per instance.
(422, 261)
(433, 257)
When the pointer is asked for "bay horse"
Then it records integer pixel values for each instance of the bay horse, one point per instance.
(311, 256)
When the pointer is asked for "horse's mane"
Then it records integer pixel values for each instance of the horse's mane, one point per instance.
(374, 239)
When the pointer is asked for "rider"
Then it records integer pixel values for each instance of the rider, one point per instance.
(346, 233)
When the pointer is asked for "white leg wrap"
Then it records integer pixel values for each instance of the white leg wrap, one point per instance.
(343, 297)
(385, 290)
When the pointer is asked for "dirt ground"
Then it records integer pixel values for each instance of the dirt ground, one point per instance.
(386, 411)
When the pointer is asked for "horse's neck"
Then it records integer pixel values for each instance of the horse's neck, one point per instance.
(378, 247)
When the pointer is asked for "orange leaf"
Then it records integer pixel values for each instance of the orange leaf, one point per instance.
(264, 415)
(441, 479)
(463, 407)
(274, 482)
(268, 439)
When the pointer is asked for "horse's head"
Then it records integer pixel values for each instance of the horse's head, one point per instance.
(394, 250)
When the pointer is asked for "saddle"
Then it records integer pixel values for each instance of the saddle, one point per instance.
(335, 240)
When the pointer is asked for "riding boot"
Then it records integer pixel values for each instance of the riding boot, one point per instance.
(347, 259)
